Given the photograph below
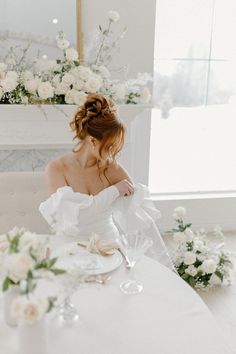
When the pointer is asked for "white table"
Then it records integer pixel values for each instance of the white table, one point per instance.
(168, 317)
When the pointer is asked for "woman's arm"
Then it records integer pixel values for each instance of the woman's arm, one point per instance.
(54, 176)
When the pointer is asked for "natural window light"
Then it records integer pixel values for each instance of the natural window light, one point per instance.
(193, 145)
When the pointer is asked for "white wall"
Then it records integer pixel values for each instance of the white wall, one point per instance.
(137, 48)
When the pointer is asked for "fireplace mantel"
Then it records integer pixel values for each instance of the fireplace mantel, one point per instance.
(46, 127)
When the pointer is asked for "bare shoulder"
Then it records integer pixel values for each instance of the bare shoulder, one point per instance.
(116, 172)
(54, 173)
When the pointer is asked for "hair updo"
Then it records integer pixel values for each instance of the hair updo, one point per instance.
(98, 117)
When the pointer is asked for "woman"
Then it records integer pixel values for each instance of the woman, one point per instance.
(90, 191)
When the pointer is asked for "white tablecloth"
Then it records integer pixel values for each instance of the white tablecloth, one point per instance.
(168, 317)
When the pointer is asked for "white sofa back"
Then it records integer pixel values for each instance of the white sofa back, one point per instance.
(20, 196)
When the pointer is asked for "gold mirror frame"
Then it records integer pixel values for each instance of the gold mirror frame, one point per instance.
(79, 29)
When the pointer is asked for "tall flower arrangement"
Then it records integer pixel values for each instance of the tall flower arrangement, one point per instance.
(66, 80)
(202, 266)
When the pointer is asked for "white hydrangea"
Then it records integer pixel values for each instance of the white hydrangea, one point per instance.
(179, 212)
(118, 92)
(45, 90)
(189, 258)
(113, 16)
(71, 54)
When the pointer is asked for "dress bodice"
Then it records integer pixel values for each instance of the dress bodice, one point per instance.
(74, 216)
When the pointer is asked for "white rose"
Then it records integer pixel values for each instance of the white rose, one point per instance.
(209, 266)
(179, 212)
(199, 245)
(69, 97)
(78, 85)
(27, 310)
(189, 234)
(118, 92)
(8, 84)
(71, 54)
(79, 97)
(17, 265)
(45, 90)
(3, 243)
(191, 270)
(113, 16)
(32, 85)
(180, 237)
(145, 95)
(68, 79)
(12, 75)
(214, 279)
(62, 43)
(62, 88)
(27, 75)
(93, 84)
(102, 70)
(83, 72)
(189, 258)
(28, 240)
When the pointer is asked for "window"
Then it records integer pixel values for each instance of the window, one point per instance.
(193, 144)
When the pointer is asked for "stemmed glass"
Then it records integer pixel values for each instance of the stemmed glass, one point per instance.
(133, 246)
(71, 280)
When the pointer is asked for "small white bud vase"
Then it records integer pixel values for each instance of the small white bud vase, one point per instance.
(33, 338)
(8, 296)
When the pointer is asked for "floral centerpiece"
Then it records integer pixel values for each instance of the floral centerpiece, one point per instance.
(200, 265)
(25, 260)
(67, 80)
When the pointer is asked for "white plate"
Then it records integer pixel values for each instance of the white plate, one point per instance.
(72, 255)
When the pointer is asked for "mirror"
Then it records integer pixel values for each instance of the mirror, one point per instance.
(38, 22)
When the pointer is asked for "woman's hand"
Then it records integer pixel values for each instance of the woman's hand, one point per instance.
(125, 188)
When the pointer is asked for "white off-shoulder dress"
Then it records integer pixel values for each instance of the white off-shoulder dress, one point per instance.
(73, 216)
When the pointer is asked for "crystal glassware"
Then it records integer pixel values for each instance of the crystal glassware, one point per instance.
(133, 246)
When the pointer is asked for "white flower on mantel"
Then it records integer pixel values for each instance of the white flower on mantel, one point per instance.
(24, 100)
(79, 85)
(179, 213)
(45, 90)
(180, 237)
(28, 310)
(113, 16)
(9, 84)
(63, 43)
(119, 92)
(93, 84)
(17, 266)
(68, 79)
(3, 66)
(102, 69)
(145, 95)
(32, 85)
(71, 54)
(62, 88)
(189, 258)
(27, 75)
(2, 74)
(189, 234)
(209, 266)
(79, 97)
(12, 75)
(82, 72)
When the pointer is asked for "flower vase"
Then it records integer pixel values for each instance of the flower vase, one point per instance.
(8, 296)
(33, 337)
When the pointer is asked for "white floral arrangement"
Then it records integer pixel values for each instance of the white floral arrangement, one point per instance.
(200, 265)
(24, 260)
(68, 81)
